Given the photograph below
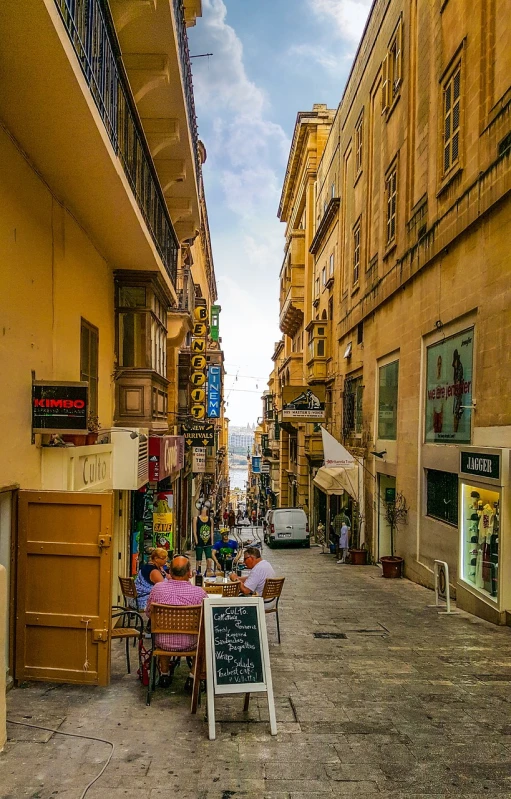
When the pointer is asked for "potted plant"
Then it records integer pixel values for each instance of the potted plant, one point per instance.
(93, 426)
(358, 554)
(396, 514)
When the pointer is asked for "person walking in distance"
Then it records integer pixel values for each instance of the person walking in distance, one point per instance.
(344, 542)
(203, 539)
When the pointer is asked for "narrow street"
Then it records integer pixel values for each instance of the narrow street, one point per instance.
(404, 703)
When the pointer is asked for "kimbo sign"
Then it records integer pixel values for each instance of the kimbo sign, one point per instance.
(59, 407)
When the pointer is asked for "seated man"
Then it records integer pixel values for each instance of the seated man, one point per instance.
(225, 552)
(260, 571)
(176, 591)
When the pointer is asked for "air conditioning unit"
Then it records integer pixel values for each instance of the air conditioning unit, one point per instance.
(130, 456)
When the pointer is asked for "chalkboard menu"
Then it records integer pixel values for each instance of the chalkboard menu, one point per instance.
(236, 645)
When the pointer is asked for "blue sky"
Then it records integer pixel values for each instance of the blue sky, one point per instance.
(271, 59)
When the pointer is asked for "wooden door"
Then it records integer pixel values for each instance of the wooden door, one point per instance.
(63, 587)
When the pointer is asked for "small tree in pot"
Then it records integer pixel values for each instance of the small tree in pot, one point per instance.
(396, 515)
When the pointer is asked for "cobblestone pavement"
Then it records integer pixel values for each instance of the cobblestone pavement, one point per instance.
(407, 704)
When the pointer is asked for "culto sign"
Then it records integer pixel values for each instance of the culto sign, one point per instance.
(481, 464)
(166, 456)
(59, 407)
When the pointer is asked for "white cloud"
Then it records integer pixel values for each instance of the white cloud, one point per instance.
(247, 154)
(309, 53)
(348, 16)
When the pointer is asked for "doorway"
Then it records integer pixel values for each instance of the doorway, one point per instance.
(386, 489)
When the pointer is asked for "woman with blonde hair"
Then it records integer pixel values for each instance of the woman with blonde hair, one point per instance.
(150, 574)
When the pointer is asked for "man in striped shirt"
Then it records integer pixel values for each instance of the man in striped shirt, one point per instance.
(176, 591)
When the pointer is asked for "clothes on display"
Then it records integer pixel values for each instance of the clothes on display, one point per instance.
(480, 538)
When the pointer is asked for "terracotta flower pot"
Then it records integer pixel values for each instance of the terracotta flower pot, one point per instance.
(78, 439)
(92, 438)
(392, 566)
(358, 557)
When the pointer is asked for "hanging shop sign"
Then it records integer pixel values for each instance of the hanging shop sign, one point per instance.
(304, 404)
(265, 467)
(199, 459)
(449, 389)
(166, 456)
(198, 362)
(256, 464)
(197, 378)
(199, 434)
(199, 330)
(198, 345)
(198, 395)
(198, 411)
(59, 407)
(201, 313)
(481, 464)
(214, 387)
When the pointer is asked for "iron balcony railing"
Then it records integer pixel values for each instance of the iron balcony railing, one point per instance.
(186, 73)
(91, 32)
(185, 291)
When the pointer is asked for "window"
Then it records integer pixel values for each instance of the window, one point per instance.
(332, 190)
(442, 496)
(317, 287)
(352, 405)
(356, 253)
(89, 343)
(388, 376)
(360, 333)
(392, 69)
(321, 347)
(331, 308)
(142, 328)
(323, 276)
(331, 267)
(391, 204)
(451, 114)
(449, 389)
(359, 143)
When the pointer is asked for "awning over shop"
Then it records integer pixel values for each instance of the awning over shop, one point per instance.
(337, 479)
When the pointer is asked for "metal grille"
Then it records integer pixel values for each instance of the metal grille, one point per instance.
(442, 496)
(352, 406)
(91, 33)
(186, 74)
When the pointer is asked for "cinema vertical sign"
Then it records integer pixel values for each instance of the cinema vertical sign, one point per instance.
(59, 407)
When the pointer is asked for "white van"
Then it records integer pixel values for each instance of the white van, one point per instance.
(287, 526)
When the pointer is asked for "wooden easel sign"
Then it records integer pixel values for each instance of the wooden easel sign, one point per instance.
(237, 656)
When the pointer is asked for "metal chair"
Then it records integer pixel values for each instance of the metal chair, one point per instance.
(172, 620)
(130, 626)
(230, 589)
(272, 590)
(129, 591)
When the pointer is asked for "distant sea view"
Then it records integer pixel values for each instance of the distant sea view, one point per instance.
(238, 477)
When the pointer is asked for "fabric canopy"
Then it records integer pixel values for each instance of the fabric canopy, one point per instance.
(336, 480)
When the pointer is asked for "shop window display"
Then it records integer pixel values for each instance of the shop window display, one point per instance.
(480, 538)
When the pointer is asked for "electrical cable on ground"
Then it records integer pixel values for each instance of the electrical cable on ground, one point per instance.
(73, 735)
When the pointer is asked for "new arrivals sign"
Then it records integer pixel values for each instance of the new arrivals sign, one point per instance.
(59, 407)
(449, 389)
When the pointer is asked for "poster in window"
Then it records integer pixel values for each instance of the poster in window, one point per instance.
(449, 389)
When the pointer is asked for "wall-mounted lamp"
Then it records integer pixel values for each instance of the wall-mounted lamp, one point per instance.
(379, 454)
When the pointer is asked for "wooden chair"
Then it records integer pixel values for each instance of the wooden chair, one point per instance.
(172, 620)
(129, 591)
(231, 589)
(213, 588)
(128, 625)
(272, 590)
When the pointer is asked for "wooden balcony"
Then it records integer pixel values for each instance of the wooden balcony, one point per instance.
(317, 370)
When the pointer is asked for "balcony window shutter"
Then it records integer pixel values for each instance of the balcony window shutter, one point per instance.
(398, 74)
(385, 85)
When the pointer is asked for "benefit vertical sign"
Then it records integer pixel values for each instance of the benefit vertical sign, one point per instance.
(198, 363)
